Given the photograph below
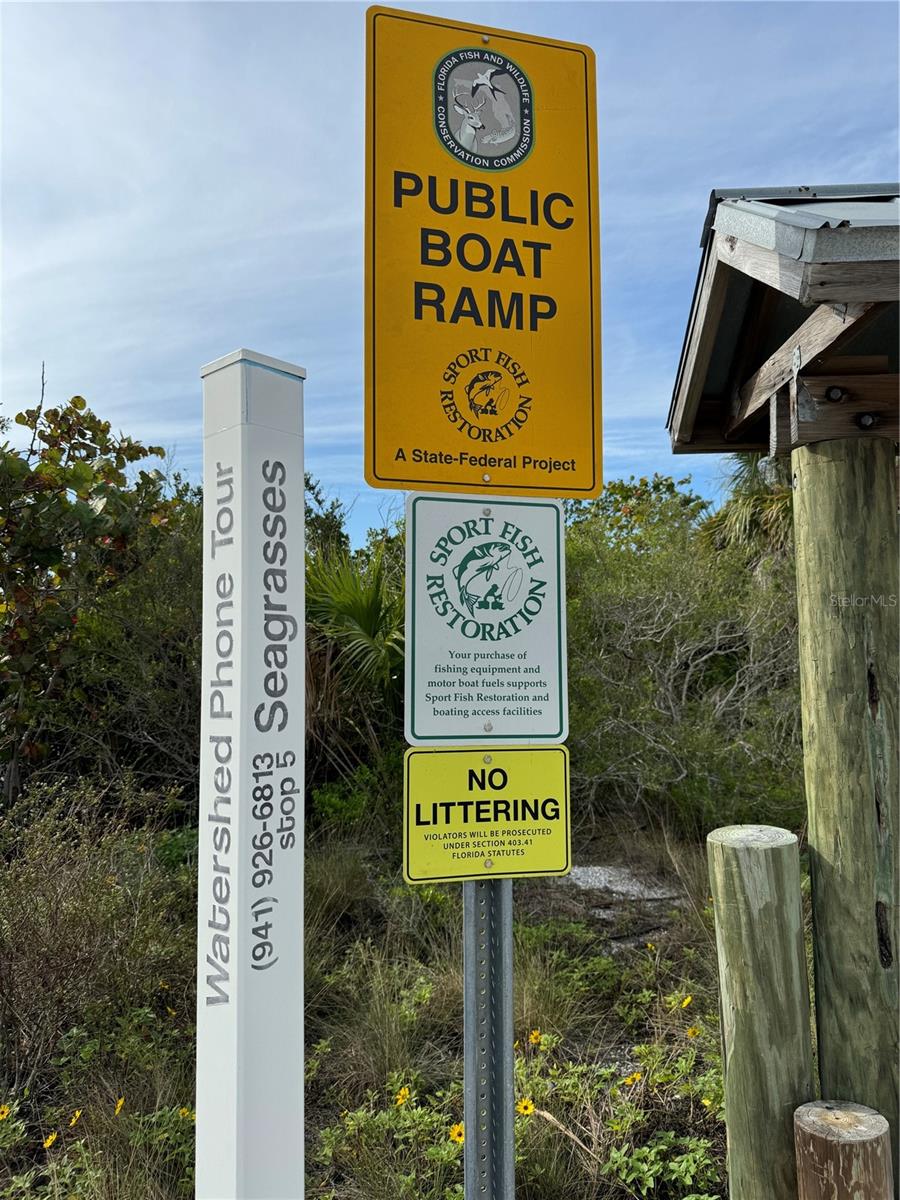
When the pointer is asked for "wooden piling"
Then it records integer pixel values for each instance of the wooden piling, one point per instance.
(845, 522)
(754, 873)
(843, 1152)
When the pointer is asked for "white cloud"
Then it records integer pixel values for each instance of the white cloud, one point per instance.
(183, 179)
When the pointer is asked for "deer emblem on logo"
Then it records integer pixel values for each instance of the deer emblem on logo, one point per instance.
(470, 122)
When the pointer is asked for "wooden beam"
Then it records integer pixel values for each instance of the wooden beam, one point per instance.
(709, 439)
(877, 390)
(849, 364)
(768, 266)
(701, 339)
(813, 283)
(848, 282)
(823, 408)
(780, 424)
(826, 329)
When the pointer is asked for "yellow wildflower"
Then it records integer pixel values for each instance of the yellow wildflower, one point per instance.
(171, 1011)
(184, 1113)
(457, 1133)
(119, 1103)
(650, 946)
(402, 1096)
(525, 1106)
(50, 1139)
(692, 1031)
(535, 1037)
(706, 1102)
(5, 1110)
(76, 1116)
(632, 1078)
(686, 1001)
(163, 985)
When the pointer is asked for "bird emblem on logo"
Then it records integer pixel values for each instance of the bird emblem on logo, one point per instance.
(486, 79)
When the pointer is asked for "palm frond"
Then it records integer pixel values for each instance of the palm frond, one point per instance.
(355, 606)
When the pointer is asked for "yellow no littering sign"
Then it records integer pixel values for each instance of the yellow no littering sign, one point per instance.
(482, 260)
(482, 814)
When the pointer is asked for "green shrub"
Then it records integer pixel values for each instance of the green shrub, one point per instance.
(684, 695)
(97, 952)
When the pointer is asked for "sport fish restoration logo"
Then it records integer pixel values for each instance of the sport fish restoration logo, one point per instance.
(486, 394)
(485, 620)
(493, 581)
(483, 109)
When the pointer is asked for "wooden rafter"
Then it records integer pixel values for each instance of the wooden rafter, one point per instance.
(825, 330)
(811, 282)
(700, 342)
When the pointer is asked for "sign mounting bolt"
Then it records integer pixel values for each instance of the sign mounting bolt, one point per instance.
(485, 38)
(488, 864)
(486, 477)
(485, 512)
(488, 726)
(867, 420)
(489, 758)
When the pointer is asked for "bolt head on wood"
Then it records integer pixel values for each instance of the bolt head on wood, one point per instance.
(867, 420)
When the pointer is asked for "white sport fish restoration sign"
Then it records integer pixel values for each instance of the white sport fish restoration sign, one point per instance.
(250, 852)
(485, 621)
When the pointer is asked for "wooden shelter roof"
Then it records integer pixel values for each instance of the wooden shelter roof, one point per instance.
(796, 296)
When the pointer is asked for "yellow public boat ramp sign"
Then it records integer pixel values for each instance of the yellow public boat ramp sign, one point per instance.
(482, 260)
(486, 814)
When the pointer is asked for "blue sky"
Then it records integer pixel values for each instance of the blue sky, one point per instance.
(180, 179)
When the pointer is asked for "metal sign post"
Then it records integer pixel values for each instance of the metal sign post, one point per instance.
(250, 849)
(482, 376)
(489, 1112)
(477, 816)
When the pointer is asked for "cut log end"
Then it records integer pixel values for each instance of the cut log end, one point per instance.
(843, 1152)
(739, 836)
(840, 1121)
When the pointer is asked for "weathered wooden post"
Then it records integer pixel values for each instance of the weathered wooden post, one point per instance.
(808, 278)
(754, 873)
(845, 521)
(843, 1152)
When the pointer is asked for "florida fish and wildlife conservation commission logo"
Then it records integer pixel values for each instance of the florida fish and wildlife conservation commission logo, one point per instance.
(483, 109)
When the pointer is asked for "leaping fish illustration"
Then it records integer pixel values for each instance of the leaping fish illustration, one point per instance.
(480, 563)
(480, 392)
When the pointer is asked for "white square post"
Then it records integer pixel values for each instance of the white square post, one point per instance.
(250, 853)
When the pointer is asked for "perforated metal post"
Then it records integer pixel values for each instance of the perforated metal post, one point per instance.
(488, 1032)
